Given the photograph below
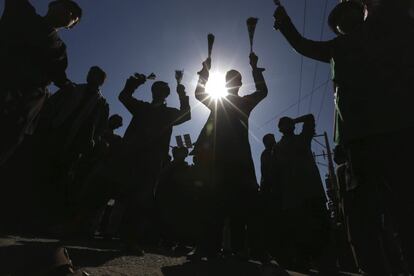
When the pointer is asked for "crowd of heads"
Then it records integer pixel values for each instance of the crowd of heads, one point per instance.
(77, 163)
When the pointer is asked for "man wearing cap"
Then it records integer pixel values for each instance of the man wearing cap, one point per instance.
(32, 57)
(373, 66)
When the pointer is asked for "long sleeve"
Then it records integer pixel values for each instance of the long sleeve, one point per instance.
(184, 113)
(261, 89)
(200, 93)
(133, 105)
(319, 50)
(308, 130)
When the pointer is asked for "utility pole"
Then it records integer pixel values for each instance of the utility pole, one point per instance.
(332, 184)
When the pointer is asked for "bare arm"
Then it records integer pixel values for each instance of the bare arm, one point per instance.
(318, 50)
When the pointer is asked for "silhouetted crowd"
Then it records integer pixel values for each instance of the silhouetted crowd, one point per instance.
(65, 172)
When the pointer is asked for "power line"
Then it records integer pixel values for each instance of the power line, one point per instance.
(301, 57)
(317, 62)
(319, 143)
(297, 102)
(322, 102)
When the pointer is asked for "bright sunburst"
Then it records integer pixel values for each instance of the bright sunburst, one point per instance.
(216, 86)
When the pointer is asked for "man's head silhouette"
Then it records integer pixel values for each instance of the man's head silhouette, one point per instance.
(269, 140)
(179, 154)
(96, 77)
(115, 122)
(64, 14)
(233, 82)
(346, 17)
(160, 91)
(286, 125)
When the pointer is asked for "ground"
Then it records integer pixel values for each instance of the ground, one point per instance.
(23, 256)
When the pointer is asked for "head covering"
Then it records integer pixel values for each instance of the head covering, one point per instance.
(340, 10)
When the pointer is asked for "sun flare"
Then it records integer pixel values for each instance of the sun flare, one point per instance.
(216, 86)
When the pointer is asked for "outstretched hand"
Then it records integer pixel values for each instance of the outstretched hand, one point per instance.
(280, 16)
(133, 82)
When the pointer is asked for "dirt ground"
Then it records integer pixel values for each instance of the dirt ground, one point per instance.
(27, 256)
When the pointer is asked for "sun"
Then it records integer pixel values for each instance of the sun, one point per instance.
(216, 86)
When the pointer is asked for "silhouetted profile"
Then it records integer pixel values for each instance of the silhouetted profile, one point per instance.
(73, 122)
(266, 162)
(32, 57)
(304, 220)
(271, 197)
(175, 197)
(146, 146)
(372, 65)
(223, 150)
(113, 141)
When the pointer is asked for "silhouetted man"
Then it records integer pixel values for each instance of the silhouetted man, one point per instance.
(373, 72)
(113, 141)
(270, 194)
(223, 150)
(75, 121)
(146, 145)
(266, 162)
(175, 198)
(304, 220)
(32, 56)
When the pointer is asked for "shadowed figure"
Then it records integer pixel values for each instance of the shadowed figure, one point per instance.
(70, 129)
(271, 197)
(373, 75)
(145, 150)
(223, 150)
(32, 57)
(74, 120)
(176, 200)
(304, 216)
(266, 163)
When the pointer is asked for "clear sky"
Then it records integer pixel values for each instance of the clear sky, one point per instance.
(160, 36)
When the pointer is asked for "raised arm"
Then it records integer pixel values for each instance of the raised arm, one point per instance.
(125, 97)
(200, 92)
(308, 129)
(261, 87)
(319, 50)
(184, 114)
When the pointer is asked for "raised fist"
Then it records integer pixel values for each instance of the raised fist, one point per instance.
(133, 82)
(280, 16)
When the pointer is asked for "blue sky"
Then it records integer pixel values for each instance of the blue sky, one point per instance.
(161, 36)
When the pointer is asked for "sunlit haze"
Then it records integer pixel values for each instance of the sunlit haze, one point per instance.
(216, 85)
